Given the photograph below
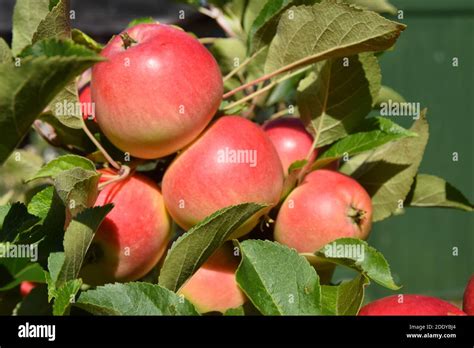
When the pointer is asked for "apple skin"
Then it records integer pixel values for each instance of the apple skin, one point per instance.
(158, 95)
(291, 140)
(412, 305)
(86, 100)
(199, 182)
(26, 287)
(318, 212)
(468, 302)
(213, 288)
(133, 236)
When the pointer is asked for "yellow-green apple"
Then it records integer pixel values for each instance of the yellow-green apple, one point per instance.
(410, 305)
(213, 288)
(157, 91)
(133, 236)
(291, 140)
(233, 162)
(468, 302)
(327, 205)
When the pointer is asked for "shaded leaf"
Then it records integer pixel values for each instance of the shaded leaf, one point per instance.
(432, 191)
(345, 298)
(193, 248)
(134, 299)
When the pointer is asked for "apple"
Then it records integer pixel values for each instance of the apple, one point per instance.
(26, 287)
(86, 103)
(291, 140)
(213, 288)
(157, 91)
(327, 205)
(233, 162)
(468, 302)
(133, 236)
(410, 305)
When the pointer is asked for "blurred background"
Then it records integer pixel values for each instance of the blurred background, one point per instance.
(421, 244)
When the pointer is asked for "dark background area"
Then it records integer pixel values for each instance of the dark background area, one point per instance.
(418, 244)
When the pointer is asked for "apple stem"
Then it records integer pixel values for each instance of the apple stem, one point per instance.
(216, 14)
(99, 146)
(242, 65)
(123, 174)
(128, 41)
(260, 91)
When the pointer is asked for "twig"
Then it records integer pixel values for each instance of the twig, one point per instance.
(99, 146)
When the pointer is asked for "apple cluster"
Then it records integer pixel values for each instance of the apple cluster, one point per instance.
(157, 94)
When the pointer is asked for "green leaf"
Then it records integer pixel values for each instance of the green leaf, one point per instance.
(144, 20)
(388, 172)
(20, 270)
(375, 132)
(305, 36)
(77, 239)
(336, 98)
(27, 15)
(16, 169)
(55, 263)
(358, 255)
(264, 26)
(345, 298)
(228, 52)
(134, 299)
(5, 52)
(26, 90)
(233, 312)
(432, 191)
(386, 94)
(16, 222)
(65, 296)
(55, 24)
(193, 248)
(78, 189)
(85, 40)
(381, 6)
(41, 203)
(61, 164)
(277, 280)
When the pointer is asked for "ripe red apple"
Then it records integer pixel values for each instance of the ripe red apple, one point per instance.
(291, 140)
(468, 302)
(133, 236)
(233, 162)
(157, 91)
(213, 288)
(26, 287)
(328, 205)
(410, 305)
(86, 103)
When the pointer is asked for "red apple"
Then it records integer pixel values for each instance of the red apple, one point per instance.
(468, 302)
(233, 162)
(328, 205)
(86, 103)
(213, 288)
(291, 140)
(133, 236)
(410, 305)
(26, 287)
(157, 91)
